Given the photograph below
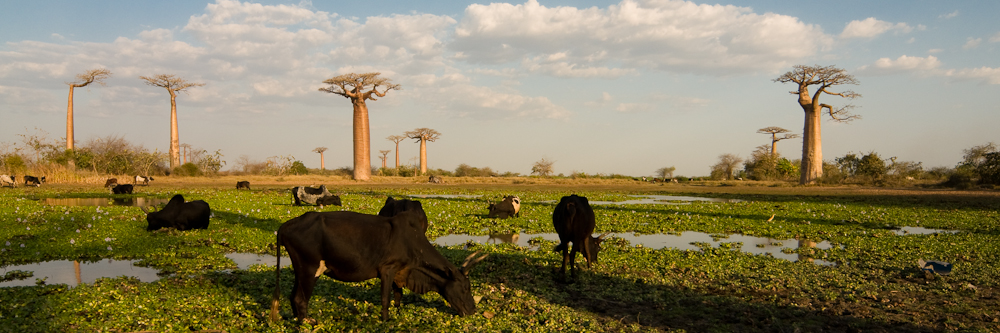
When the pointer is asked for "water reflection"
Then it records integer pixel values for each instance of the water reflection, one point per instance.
(133, 201)
(683, 241)
(244, 260)
(73, 273)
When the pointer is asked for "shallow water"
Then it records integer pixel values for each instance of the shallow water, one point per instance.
(133, 201)
(244, 260)
(920, 231)
(73, 273)
(445, 196)
(659, 241)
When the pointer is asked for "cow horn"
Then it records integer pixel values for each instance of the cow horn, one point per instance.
(601, 237)
(471, 261)
(144, 210)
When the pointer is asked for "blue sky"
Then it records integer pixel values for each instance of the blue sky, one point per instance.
(596, 86)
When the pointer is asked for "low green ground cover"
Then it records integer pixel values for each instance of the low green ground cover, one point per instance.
(875, 284)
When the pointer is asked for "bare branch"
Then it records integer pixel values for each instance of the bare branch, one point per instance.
(425, 134)
(170, 82)
(91, 76)
(841, 115)
(350, 85)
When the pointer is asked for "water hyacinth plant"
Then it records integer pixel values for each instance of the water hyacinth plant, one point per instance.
(872, 283)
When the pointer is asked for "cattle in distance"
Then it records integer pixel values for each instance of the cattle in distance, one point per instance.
(8, 180)
(574, 221)
(33, 181)
(243, 185)
(121, 189)
(111, 182)
(179, 214)
(354, 247)
(142, 179)
(509, 207)
(314, 196)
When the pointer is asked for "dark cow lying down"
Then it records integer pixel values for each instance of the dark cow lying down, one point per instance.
(121, 189)
(509, 207)
(314, 196)
(354, 247)
(393, 207)
(179, 215)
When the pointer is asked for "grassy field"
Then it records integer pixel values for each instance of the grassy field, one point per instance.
(875, 284)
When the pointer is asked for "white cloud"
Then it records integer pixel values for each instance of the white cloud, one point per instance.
(453, 95)
(932, 51)
(871, 27)
(971, 43)
(951, 15)
(670, 35)
(633, 107)
(902, 64)
(995, 38)
(986, 74)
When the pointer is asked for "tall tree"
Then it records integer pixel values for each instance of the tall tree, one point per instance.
(543, 167)
(666, 172)
(385, 154)
(322, 162)
(82, 80)
(825, 78)
(774, 131)
(352, 86)
(184, 152)
(726, 168)
(173, 85)
(423, 135)
(396, 139)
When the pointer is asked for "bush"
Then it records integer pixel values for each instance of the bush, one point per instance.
(298, 168)
(187, 170)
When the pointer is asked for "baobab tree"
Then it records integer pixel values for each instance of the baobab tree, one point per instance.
(396, 139)
(173, 85)
(824, 77)
(82, 80)
(352, 86)
(184, 153)
(385, 154)
(322, 162)
(774, 131)
(423, 135)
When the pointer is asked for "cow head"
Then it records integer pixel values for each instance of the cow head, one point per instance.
(394, 207)
(593, 247)
(456, 288)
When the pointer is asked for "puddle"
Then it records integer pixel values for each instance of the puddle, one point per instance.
(663, 200)
(134, 201)
(753, 245)
(445, 196)
(73, 273)
(244, 260)
(921, 231)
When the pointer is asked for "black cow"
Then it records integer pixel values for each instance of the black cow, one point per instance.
(574, 221)
(121, 189)
(314, 196)
(33, 181)
(111, 182)
(243, 185)
(8, 180)
(393, 207)
(179, 215)
(354, 247)
(509, 207)
(142, 179)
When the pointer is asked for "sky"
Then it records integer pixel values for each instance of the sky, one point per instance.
(595, 86)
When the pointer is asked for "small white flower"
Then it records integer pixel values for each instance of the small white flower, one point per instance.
(22, 245)
(72, 241)
(8, 243)
(89, 226)
(109, 248)
(107, 239)
(29, 228)
(77, 230)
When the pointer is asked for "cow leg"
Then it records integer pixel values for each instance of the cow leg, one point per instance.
(397, 292)
(565, 254)
(388, 287)
(302, 289)
(572, 260)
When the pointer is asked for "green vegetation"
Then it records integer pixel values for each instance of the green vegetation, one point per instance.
(875, 286)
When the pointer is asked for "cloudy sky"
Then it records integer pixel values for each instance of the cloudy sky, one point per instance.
(596, 86)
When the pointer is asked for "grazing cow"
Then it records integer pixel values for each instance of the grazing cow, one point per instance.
(574, 222)
(354, 247)
(314, 196)
(7, 180)
(435, 179)
(509, 207)
(243, 185)
(393, 207)
(142, 179)
(179, 215)
(121, 189)
(33, 181)
(111, 182)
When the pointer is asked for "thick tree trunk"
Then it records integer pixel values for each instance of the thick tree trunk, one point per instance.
(362, 150)
(774, 142)
(69, 128)
(175, 143)
(322, 162)
(423, 157)
(812, 147)
(397, 155)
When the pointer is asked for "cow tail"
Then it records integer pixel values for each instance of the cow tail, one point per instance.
(277, 282)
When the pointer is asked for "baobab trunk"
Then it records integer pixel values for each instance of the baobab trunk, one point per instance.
(175, 142)
(423, 157)
(69, 121)
(812, 147)
(362, 148)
